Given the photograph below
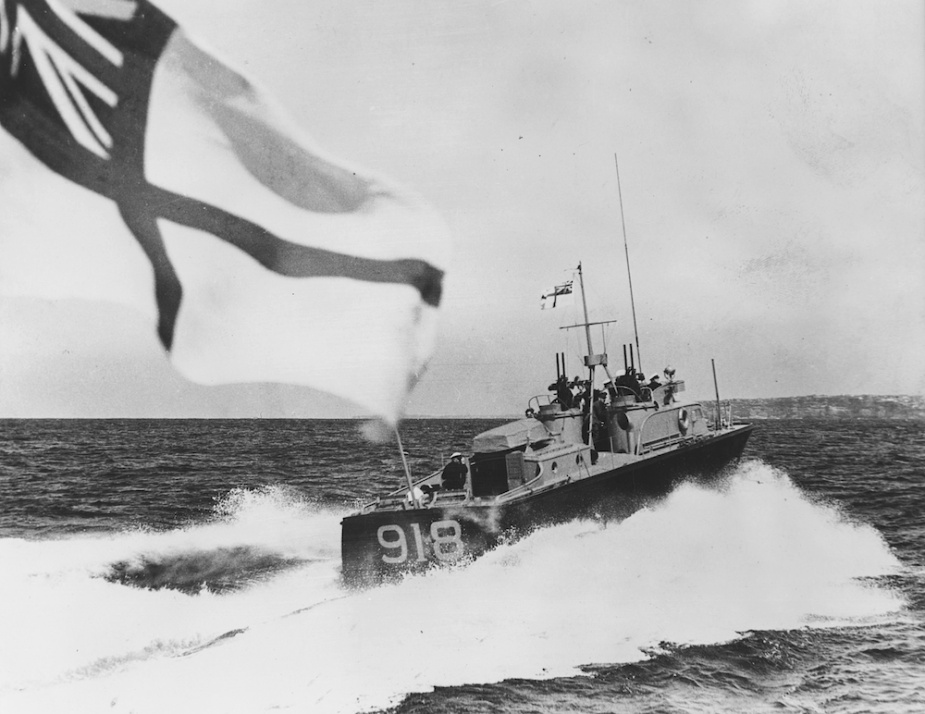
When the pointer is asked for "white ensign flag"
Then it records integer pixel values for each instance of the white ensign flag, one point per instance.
(138, 168)
(559, 295)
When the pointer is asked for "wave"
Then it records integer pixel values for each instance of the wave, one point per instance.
(702, 566)
(68, 610)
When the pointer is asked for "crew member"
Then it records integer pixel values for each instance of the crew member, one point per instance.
(415, 495)
(599, 407)
(599, 436)
(454, 473)
(628, 383)
(575, 386)
(582, 396)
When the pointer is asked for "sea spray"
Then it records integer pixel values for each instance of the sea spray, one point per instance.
(702, 566)
(256, 533)
(66, 614)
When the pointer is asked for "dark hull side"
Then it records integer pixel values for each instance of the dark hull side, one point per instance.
(385, 544)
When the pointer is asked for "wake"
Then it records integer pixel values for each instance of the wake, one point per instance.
(702, 566)
(69, 611)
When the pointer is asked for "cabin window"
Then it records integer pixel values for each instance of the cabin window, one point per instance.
(555, 467)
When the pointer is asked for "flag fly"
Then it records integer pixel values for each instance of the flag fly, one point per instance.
(138, 168)
(559, 295)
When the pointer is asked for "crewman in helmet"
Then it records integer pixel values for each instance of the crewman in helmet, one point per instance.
(454, 473)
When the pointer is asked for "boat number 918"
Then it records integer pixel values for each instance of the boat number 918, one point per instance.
(446, 537)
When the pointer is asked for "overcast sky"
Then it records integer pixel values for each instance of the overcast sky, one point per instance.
(773, 176)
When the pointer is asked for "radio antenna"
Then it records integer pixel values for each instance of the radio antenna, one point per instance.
(629, 274)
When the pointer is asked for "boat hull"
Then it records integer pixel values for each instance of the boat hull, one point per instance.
(382, 545)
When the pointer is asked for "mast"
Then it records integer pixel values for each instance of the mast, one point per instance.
(584, 304)
(629, 275)
(591, 359)
(588, 361)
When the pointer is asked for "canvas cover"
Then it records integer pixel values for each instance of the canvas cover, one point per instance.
(509, 436)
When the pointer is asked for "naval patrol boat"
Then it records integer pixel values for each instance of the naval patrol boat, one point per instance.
(580, 451)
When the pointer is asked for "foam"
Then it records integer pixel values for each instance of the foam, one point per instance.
(61, 616)
(700, 567)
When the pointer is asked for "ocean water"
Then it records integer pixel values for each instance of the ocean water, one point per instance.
(193, 566)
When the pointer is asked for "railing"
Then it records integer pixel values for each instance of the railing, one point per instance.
(534, 404)
(418, 483)
(725, 416)
(447, 497)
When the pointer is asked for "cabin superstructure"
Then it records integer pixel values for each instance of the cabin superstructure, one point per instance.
(550, 446)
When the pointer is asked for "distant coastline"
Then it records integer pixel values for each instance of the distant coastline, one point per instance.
(865, 406)
(814, 406)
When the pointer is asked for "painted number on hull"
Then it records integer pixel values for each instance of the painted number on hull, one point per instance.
(446, 537)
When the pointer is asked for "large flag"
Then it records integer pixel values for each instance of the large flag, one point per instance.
(138, 168)
(556, 296)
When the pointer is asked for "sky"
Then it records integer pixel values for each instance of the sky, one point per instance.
(772, 171)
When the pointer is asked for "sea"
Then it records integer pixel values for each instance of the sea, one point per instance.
(194, 566)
